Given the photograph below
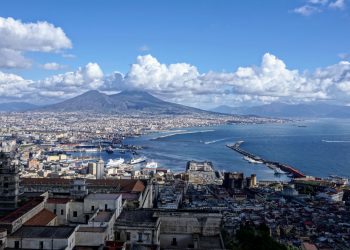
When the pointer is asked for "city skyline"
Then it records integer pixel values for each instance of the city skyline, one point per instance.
(198, 54)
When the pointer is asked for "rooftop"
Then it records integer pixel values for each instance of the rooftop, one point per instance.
(92, 229)
(136, 217)
(103, 196)
(59, 232)
(102, 216)
(42, 218)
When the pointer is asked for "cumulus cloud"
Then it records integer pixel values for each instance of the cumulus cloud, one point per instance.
(13, 59)
(18, 37)
(270, 81)
(53, 66)
(13, 86)
(72, 83)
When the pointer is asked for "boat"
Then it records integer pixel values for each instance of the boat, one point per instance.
(90, 150)
(109, 150)
(114, 163)
(137, 160)
(151, 164)
(251, 160)
(279, 171)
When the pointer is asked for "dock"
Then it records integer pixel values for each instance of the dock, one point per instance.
(271, 164)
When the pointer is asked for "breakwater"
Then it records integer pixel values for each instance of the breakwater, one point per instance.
(295, 173)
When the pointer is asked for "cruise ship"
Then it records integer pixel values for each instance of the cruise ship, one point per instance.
(114, 163)
(137, 160)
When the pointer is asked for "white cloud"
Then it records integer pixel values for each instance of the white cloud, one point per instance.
(72, 83)
(268, 82)
(13, 86)
(40, 36)
(316, 6)
(321, 2)
(18, 37)
(147, 73)
(13, 59)
(337, 4)
(307, 10)
(53, 66)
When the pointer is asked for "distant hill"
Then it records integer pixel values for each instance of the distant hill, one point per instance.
(16, 106)
(313, 110)
(126, 102)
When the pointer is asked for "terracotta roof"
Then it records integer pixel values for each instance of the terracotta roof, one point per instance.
(14, 215)
(46, 181)
(43, 218)
(124, 185)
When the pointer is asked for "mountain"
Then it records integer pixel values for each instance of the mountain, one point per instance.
(126, 102)
(16, 106)
(313, 110)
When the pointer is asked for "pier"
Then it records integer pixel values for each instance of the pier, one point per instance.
(271, 164)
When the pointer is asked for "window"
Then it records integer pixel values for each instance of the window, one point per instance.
(92, 208)
(140, 237)
(54, 211)
(16, 244)
(6, 185)
(174, 243)
(106, 206)
(75, 214)
(127, 236)
(41, 245)
(117, 235)
(62, 212)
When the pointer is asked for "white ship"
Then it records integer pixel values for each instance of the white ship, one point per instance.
(151, 164)
(137, 160)
(279, 171)
(114, 163)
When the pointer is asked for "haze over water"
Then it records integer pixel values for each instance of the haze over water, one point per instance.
(315, 147)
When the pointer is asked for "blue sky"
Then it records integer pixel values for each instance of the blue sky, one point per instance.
(218, 36)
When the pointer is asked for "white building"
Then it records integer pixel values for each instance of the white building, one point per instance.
(42, 237)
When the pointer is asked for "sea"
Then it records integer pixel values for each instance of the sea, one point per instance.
(316, 147)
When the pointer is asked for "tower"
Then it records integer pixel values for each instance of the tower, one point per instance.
(253, 180)
(100, 169)
(9, 182)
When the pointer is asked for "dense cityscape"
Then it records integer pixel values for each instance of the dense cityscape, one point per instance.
(174, 125)
(53, 197)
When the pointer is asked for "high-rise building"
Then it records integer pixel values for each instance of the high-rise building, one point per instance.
(92, 168)
(9, 182)
(100, 169)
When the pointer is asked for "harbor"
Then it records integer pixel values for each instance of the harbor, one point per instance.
(276, 166)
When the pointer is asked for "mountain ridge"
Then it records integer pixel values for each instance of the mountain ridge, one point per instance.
(125, 102)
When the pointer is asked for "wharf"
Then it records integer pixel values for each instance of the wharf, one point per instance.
(272, 164)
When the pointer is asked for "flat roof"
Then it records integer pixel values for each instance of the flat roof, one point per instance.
(136, 217)
(58, 232)
(92, 229)
(102, 216)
